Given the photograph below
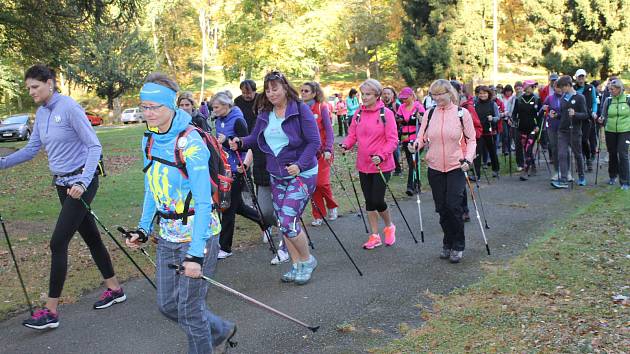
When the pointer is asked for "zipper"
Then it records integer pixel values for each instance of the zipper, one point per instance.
(443, 145)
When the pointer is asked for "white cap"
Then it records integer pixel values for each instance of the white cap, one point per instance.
(580, 72)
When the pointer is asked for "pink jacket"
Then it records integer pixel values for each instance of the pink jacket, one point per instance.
(447, 145)
(341, 108)
(373, 138)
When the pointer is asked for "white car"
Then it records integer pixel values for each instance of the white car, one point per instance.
(132, 115)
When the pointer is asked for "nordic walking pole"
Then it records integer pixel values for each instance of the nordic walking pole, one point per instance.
(396, 202)
(251, 300)
(127, 234)
(17, 268)
(310, 243)
(416, 175)
(472, 194)
(483, 211)
(509, 149)
(329, 227)
(345, 162)
(252, 192)
(89, 209)
(343, 188)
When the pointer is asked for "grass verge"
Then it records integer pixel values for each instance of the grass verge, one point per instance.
(565, 293)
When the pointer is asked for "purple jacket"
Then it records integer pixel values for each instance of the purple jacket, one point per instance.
(553, 101)
(304, 141)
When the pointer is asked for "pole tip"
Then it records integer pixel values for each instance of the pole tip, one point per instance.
(314, 329)
(488, 249)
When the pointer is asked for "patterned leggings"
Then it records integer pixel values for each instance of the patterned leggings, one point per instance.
(290, 197)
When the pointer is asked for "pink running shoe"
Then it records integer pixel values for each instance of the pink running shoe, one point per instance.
(390, 235)
(372, 242)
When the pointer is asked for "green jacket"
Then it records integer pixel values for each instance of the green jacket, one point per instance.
(616, 114)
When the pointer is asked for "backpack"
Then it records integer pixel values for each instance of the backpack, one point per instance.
(220, 171)
(381, 114)
(460, 115)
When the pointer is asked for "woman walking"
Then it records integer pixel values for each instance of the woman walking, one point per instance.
(187, 237)
(73, 151)
(231, 122)
(488, 113)
(352, 104)
(373, 129)
(409, 113)
(323, 198)
(616, 118)
(342, 116)
(390, 99)
(287, 133)
(450, 138)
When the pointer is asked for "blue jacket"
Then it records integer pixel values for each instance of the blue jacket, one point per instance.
(231, 125)
(304, 142)
(165, 188)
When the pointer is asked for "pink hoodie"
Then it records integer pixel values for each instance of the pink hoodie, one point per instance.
(373, 138)
(445, 139)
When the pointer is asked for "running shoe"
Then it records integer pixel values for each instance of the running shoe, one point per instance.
(612, 181)
(373, 241)
(281, 257)
(390, 235)
(581, 181)
(222, 347)
(42, 319)
(445, 253)
(264, 234)
(333, 214)
(289, 276)
(109, 298)
(560, 185)
(305, 271)
(223, 255)
(456, 256)
(317, 222)
(555, 177)
(466, 217)
(625, 187)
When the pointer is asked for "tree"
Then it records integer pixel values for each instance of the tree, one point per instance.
(111, 62)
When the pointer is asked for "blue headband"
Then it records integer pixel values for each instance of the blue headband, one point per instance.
(158, 94)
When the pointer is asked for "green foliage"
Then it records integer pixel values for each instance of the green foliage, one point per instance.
(111, 62)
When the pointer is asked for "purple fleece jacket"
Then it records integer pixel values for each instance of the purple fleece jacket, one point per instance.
(304, 142)
(67, 135)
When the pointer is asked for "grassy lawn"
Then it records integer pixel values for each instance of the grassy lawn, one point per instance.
(560, 295)
(29, 206)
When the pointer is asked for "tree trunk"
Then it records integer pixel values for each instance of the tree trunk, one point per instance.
(202, 28)
(377, 69)
(117, 112)
(156, 41)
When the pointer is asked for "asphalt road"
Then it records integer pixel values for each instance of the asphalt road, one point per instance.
(373, 308)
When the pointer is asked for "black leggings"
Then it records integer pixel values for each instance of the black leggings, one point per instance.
(74, 217)
(237, 206)
(373, 189)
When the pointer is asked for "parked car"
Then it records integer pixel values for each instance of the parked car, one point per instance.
(16, 127)
(94, 119)
(132, 115)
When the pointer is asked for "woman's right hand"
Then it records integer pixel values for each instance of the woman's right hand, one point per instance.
(415, 146)
(234, 142)
(132, 242)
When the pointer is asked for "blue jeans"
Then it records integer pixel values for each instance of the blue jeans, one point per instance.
(183, 299)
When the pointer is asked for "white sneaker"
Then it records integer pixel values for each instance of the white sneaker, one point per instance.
(570, 178)
(332, 214)
(282, 257)
(317, 222)
(555, 177)
(223, 254)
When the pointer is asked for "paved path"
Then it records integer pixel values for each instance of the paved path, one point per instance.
(389, 293)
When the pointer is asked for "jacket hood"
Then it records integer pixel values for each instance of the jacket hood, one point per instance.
(379, 104)
(180, 123)
(234, 112)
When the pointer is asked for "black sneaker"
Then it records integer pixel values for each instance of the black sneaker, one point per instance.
(409, 191)
(110, 297)
(445, 253)
(222, 347)
(42, 319)
(466, 217)
(456, 256)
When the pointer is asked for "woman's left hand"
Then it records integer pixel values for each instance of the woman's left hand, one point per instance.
(293, 170)
(376, 160)
(327, 155)
(76, 191)
(192, 269)
(221, 138)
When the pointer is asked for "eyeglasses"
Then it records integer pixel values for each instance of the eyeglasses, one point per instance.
(433, 94)
(151, 108)
(275, 75)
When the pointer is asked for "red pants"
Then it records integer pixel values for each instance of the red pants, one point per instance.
(323, 191)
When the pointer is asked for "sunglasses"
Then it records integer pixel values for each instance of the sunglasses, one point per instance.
(275, 75)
